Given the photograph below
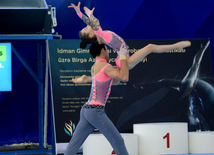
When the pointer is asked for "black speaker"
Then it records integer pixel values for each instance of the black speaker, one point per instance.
(19, 17)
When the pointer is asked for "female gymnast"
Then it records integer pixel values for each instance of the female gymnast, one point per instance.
(92, 114)
(93, 32)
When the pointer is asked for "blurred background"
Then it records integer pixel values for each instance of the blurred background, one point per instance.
(138, 19)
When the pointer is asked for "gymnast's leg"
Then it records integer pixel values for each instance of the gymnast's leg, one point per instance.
(83, 129)
(100, 120)
(143, 52)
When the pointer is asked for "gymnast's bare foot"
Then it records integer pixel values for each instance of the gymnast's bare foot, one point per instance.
(183, 44)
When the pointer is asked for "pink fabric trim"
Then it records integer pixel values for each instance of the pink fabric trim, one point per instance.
(101, 59)
(106, 35)
(101, 76)
(117, 61)
(80, 14)
(96, 103)
(89, 14)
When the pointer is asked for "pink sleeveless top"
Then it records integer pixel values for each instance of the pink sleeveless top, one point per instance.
(101, 87)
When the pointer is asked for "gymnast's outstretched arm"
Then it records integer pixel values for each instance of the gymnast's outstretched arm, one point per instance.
(82, 79)
(92, 21)
(88, 79)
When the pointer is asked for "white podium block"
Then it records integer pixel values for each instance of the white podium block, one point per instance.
(97, 144)
(201, 142)
(162, 138)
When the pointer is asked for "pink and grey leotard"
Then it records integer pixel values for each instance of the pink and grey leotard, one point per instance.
(101, 87)
(111, 39)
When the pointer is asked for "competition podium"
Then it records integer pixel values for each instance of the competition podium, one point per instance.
(162, 138)
(97, 144)
(155, 139)
(201, 142)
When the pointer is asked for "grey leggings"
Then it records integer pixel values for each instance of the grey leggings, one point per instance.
(89, 120)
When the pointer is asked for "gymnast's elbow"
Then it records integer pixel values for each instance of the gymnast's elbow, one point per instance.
(125, 78)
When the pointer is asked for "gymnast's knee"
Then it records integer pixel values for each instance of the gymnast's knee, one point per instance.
(151, 47)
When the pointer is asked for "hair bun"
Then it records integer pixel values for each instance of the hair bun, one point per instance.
(83, 45)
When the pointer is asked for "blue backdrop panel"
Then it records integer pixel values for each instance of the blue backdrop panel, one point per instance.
(170, 87)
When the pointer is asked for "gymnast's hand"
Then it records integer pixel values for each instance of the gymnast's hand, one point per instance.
(88, 11)
(82, 79)
(123, 50)
(77, 8)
